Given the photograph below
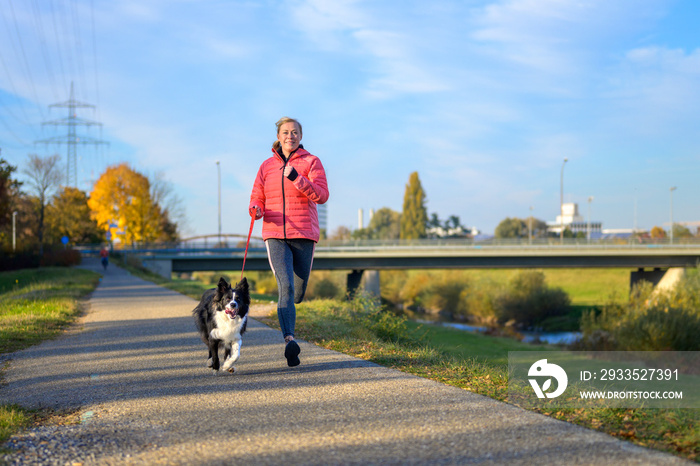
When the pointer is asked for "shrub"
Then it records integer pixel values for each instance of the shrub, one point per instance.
(660, 329)
(266, 283)
(415, 290)
(208, 278)
(478, 302)
(324, 285)
(28, 259)
(528, 301)
(392, 281)
(444, 294)
(433, 292)
(10, 260)
(667, 321)
(62, 258)
(386, 325)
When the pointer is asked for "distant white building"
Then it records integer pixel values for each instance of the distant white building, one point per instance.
(459, 232)
(571, 219)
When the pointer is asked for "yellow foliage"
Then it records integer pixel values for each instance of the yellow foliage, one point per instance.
(658, 233)
(122, 197)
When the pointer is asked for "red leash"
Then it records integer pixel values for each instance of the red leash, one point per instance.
(250, 232)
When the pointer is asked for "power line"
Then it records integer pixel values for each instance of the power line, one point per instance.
(14, 91)
(77, 42)
(36, 12)
(94, 56)
(58, 42)
(24, 57)
(7, 70)
(12, 133)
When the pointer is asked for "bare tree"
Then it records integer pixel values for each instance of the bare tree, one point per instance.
(44, 180)
(169, 201)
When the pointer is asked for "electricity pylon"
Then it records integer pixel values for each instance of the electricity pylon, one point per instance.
(71, 139)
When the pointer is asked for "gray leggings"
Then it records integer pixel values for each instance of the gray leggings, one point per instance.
(291, 262)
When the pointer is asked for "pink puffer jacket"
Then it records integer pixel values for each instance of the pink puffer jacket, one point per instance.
(289, 207)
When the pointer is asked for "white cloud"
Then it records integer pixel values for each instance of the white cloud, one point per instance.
(399, 69)
(392, 54)
(555, 45)
(656, 90)
(326, 23)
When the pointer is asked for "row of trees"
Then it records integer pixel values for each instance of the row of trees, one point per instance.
(123, 202)
(524, 228)
(411, 223)
(521, 228)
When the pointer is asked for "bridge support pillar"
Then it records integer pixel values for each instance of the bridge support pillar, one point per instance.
(353, 283)
(371, 282)
(163, 267)
(651, 276)
(368, 280)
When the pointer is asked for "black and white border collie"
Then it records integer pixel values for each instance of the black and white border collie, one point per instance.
(221, 318)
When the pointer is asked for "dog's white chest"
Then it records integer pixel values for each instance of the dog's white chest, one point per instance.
(228, 329)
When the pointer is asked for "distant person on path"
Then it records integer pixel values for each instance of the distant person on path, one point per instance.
(104, 254)
(287, 189)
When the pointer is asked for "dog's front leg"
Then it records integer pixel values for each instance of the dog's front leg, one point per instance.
(236, 349)
(227, 355)
(214, 353)
(232, 355)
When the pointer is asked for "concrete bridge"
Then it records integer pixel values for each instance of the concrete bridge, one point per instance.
(646, 261)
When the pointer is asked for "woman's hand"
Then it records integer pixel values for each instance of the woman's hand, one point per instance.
(290, 172)
(255, 212)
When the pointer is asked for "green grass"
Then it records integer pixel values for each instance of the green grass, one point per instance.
(12, 419)
(585, 286)
(590, 287)
(489, 350)
(36, 305)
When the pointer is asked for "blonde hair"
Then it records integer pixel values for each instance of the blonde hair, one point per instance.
(276, 145)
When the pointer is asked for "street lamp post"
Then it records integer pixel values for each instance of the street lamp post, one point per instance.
(561, 203)
(14, 231)
(218, 170)
(672, 189)
(588, 226)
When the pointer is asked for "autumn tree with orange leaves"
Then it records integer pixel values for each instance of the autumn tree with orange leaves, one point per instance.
(122, 203)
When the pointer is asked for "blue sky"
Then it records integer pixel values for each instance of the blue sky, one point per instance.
(484, 99)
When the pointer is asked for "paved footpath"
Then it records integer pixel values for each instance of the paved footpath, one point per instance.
(136, 370)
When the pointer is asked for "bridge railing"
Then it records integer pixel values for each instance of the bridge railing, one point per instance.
(505, 244)
(256, 244)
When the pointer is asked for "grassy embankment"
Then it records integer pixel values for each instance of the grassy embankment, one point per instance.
(474, 362)
(36, 305)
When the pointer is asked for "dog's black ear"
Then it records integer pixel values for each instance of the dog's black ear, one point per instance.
(223, 285)
(243, 285)
(242, 290)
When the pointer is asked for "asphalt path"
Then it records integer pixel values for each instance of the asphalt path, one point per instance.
(136, 370)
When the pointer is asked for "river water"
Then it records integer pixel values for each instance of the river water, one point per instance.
(552, 338)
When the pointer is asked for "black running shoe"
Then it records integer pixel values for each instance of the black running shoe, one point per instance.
(291, 352)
